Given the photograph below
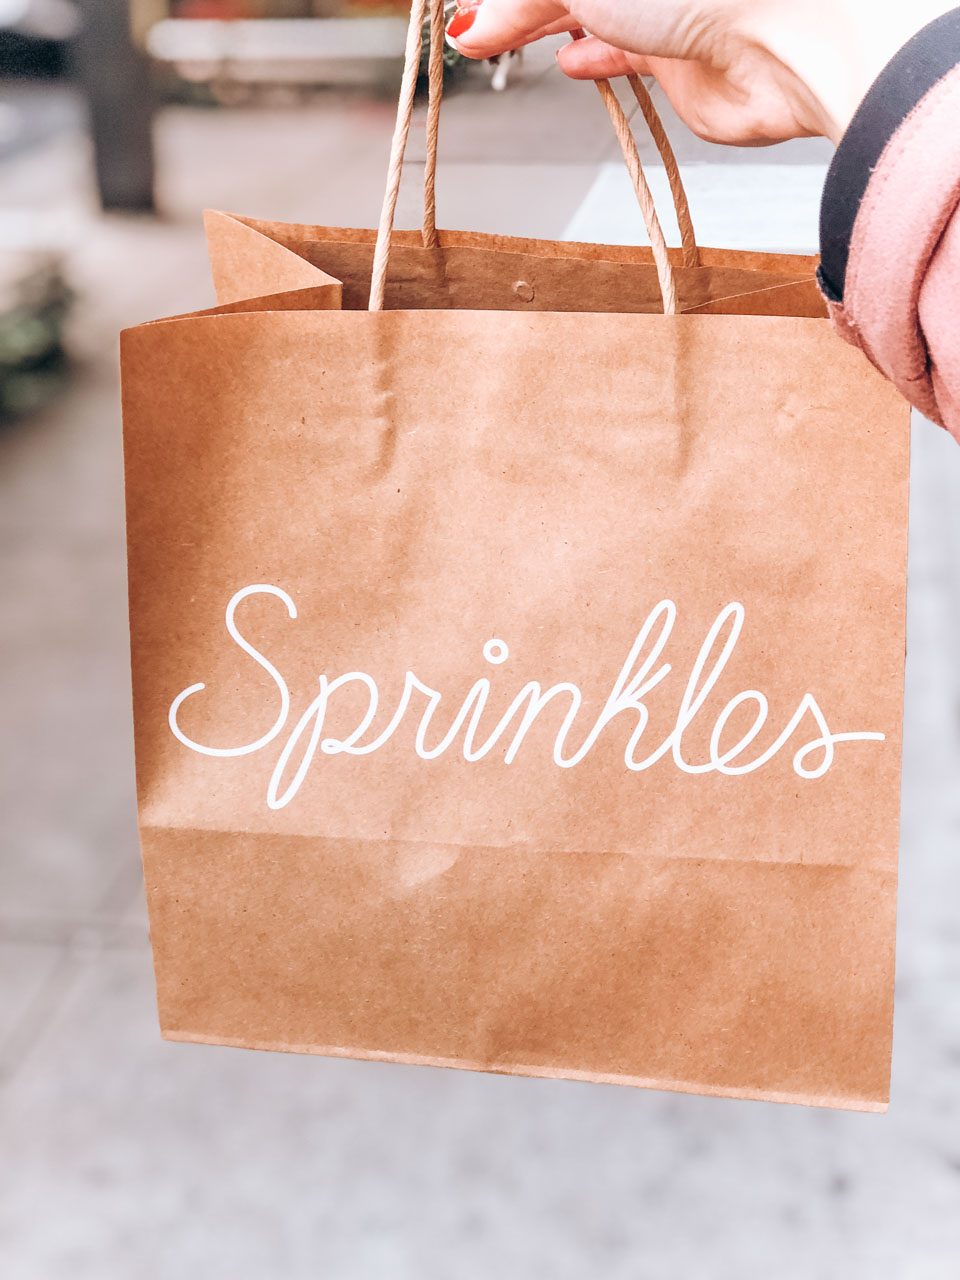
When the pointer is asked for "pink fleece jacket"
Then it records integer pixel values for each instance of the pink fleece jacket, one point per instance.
(901, 300)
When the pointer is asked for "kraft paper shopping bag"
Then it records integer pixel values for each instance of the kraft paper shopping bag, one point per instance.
(542, 720)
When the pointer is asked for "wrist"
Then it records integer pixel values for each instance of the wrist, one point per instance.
(837, 48)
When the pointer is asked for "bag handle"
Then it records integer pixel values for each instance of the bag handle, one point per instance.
(418, 11)
(688, 239)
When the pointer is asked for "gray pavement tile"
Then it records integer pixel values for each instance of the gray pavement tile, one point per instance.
(309, 164)
(30, 980)
(536, 200)
(783, 203)
(336, 176)
(128, 269)
(66, 772)
(66, 754)
(932, 704)
(61, 477)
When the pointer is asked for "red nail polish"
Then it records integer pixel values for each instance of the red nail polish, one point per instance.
(462, 21)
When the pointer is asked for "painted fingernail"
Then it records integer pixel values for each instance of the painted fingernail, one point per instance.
(462, 21)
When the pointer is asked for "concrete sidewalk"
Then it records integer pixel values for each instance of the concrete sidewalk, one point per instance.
(130, 1157)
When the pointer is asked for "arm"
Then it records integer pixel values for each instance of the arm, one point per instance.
(872, 75)
(890, 225)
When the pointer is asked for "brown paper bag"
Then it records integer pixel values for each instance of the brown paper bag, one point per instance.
(518, 669)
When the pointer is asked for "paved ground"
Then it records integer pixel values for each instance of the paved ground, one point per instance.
(129, 1157)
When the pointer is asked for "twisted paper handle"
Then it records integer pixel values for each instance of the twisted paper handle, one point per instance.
(628, 147)
(691, 253)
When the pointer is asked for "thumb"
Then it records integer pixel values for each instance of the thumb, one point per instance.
(499, 25)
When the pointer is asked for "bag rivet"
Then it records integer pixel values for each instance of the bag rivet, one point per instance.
(524, 290)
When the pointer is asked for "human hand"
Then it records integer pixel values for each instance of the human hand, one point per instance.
(747, 72)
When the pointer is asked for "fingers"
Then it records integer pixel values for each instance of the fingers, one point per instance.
(593, 59)
(499, 25)
(566, 23)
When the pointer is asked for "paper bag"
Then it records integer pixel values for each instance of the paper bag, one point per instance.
(518, 669)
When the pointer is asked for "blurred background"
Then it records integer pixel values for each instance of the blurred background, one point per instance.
(124, 1156)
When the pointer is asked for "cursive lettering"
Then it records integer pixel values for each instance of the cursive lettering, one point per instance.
(642, 672)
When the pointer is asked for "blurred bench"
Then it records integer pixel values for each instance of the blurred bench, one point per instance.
(293, 51)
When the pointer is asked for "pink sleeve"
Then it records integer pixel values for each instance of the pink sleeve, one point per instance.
(901, 300)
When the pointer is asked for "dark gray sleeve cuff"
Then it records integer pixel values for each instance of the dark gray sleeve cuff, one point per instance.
(904, 82)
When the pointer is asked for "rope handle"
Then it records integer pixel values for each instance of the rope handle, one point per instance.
(628, 147)
(691, 251)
